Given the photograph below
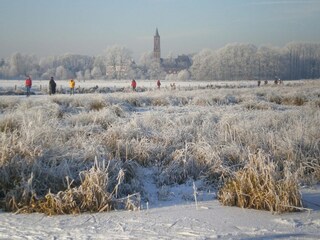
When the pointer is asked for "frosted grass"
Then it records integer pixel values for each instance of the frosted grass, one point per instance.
(186, 134)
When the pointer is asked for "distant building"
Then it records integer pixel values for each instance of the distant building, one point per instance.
(156, 46)
(169, 65)
(175, 65)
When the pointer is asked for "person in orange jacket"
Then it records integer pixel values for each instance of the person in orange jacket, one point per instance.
(72, 85)
(28, 84)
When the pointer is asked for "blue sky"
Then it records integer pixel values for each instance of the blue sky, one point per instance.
(55, 27)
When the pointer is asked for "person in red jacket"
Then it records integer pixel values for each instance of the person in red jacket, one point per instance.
(158, 84)
(28, 85)
(133, 85)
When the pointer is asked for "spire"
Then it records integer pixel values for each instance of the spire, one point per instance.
(156, 46)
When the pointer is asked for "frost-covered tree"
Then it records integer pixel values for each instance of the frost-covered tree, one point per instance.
(150, 67)
(72, 63)
(22, 65)
(61, 73)
(118, 61)
(268, 62)
(171, 77)
(302, 60)
(2, 62)
(79, 76)
(51, 72)
(100, 62)
(236, 61)
(96, 73)
(183, 75)
(155, 71)
(203, 63)
(5, 70)
(87, 74)
(144, 63)
(49, 62)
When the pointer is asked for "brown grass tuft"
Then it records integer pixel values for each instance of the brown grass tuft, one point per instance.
(275, 99)
(158, 101)
(316, 103)
(97, 192)
(296, 100)
(260, 186)
(9, 123)
(97, 105)
(256, 106)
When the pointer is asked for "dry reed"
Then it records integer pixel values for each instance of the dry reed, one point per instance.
(97, 192)
(260, 185)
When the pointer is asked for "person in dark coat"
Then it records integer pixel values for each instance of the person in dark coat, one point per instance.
(52, 86)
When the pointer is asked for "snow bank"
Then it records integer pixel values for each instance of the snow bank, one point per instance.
(178, 219)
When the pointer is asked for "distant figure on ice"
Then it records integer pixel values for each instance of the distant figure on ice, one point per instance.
(28, 85)
(52, 86)
(72, 85)
(158, 84)
(133, 85)
(259, 82)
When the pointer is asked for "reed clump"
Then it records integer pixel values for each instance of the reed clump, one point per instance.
(260, 185)
(275, 99)
(100, 190)
(296, 100)
(97, 105)
(310, 172)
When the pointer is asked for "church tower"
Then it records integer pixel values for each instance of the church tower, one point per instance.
(156, 46)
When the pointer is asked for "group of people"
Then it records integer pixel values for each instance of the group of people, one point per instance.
(53, 86)
(277, 80)
(134, 84)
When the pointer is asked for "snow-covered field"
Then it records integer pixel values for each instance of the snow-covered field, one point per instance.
(172, 219)
(151, 125)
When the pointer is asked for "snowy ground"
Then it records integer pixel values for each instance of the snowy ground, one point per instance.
(177, 216)
(170, 213)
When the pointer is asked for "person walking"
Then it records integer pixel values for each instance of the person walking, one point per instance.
(133, 85)
(28, 84)
(52, 86)
(72, 85)
(158, 84)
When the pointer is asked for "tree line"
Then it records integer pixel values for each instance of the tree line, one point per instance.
(246, 61)
(236, 61)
